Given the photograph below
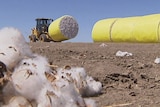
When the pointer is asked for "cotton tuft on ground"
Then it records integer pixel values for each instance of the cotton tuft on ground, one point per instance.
(28, 79)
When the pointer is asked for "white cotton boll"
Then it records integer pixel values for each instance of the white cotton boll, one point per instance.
(38, 64)
(43, 99)
(10, 35)
(28, 77)
(85, 84)
(65, 90)
(49, 97)
(93, 87)
(62, 78)
(61, 82)
(9, 55)
(90, 103)
(65, 96)
(13, 47)
(75, 74)
(34, 80)
(27, 83)
(88, 86)
(71, 96)
(18, 101)
(79, 72)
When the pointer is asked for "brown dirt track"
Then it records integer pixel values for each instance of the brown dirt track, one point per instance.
(127, 81)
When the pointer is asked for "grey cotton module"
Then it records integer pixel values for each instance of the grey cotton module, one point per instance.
(69, 27)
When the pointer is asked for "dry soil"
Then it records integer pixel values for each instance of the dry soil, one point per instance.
(129, 81)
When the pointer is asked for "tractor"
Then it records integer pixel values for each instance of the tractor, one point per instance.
(40, 32)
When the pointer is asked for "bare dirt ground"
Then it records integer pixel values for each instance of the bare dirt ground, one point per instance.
(132, 81)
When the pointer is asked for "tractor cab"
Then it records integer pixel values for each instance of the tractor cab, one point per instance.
(43, 24)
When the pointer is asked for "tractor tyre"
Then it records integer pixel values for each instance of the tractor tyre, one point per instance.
(43, 38)
(32, 38)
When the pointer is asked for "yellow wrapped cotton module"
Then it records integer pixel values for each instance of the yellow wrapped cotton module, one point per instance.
(130, 29)
(101, 29)
(63, 28)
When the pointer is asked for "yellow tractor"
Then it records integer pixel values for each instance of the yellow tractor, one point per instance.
(40, 32)
(61, 29)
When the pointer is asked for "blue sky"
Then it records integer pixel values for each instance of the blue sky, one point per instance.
(22, 13)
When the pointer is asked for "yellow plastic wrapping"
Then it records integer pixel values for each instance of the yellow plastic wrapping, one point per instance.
(130, 29)
(54, 30)
(101, 29)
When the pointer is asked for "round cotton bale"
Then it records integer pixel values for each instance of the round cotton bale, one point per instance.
(63, 28)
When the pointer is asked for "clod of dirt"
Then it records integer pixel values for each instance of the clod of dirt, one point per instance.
(117, 80)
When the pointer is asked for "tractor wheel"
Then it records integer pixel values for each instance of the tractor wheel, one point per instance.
(32, 38)
(43, 38)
